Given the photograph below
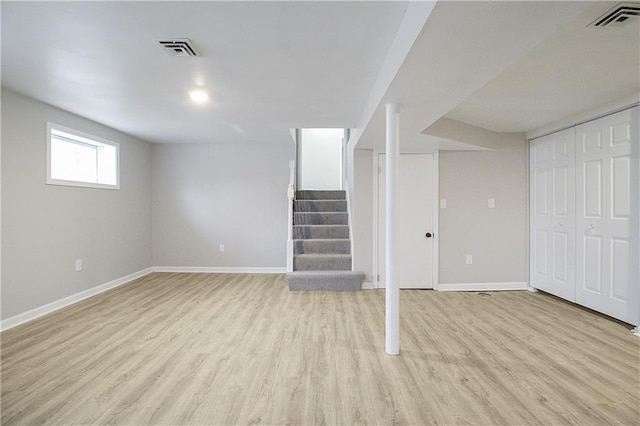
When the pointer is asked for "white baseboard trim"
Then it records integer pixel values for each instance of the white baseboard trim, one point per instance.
(32, 314)
(483, 286)
(220, 270)
(368, 286)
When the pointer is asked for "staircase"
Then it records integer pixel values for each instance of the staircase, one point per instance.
(322, 249)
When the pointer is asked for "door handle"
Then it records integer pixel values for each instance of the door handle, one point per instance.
(428, 235)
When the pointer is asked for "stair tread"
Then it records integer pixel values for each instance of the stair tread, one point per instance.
(325, 280)
(320, 240)
(344, 226)
(322, 255)
(329, 212)
(325, 272)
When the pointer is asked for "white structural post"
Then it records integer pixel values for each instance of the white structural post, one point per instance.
(392, 314)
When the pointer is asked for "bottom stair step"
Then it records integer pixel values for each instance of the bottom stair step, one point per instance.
(325, 280)
(322, 262)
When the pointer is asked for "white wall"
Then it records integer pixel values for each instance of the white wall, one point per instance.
(45, 228)
(362, 211)
(206, 195)
(320, 165)
(496, 238)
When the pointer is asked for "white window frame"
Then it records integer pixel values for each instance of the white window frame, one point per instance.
(81, 138)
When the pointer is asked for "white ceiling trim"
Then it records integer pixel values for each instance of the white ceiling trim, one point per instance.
(412, 23)
(456, 54)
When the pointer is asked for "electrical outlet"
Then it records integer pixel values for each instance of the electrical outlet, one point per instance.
(492, 203)
(443, 203)
(221, 248)
(469, 259)
(78, 265)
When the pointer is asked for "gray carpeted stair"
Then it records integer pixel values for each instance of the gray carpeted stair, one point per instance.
(319, 245)
(322, 249)
(321, 195)
(325, 280)
(320, 206)
(302, 232)
(322, 262)
(328, 218)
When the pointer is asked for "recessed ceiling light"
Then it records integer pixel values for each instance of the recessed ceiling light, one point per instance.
(199, 96)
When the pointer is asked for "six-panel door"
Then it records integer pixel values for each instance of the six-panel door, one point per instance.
(553, 214)
(607, 215)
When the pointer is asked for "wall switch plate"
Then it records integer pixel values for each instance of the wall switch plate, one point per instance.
(221, 248)
(78, 265)
(469, 259)
(443, 203)
(492, 203)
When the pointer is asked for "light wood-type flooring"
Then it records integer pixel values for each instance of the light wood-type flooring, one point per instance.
(241, 349)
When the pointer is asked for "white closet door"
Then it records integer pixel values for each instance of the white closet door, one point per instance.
(607, 215)
(553, 214)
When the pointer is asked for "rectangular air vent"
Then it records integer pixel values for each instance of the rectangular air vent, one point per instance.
(617, 16)
(178, 47)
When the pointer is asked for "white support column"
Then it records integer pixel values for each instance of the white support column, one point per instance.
(392, 314)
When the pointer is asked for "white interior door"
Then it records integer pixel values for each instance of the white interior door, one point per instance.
(415, 200)
(607, 215)
(553, 214)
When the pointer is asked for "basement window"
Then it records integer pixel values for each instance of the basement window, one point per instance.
(78, 159)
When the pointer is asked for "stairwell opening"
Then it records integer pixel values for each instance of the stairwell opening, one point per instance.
(320, 159)
(320, 237)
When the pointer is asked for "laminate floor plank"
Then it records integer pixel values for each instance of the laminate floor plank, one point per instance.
(228, 349)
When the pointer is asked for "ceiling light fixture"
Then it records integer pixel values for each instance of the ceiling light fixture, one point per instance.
(199, 96)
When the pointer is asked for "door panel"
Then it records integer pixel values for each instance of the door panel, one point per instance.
(607, 215)
(592, 189)
(414, 219)
(553, 214)
(621, 196)
(541, 191)
(592, 264)
(560, 185)
(561, 260)
(621, 260)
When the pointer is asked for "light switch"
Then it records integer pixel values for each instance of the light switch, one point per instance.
(443, 203)
(492, 203)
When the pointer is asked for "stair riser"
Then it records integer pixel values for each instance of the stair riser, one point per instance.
(320, 206)
(319, 247)
(310, 232)
(321, 219)
(321, 195)
(321, 264)
(338, 283)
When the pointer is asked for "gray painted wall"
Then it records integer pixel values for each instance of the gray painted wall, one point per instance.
(206, 195)
(362, 211)
(45, 228)
(178, 203)
(497, 238)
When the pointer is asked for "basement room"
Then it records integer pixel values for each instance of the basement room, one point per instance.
(320, 213)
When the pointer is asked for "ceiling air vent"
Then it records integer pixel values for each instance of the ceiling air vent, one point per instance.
(178, 47)
(617, 16)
